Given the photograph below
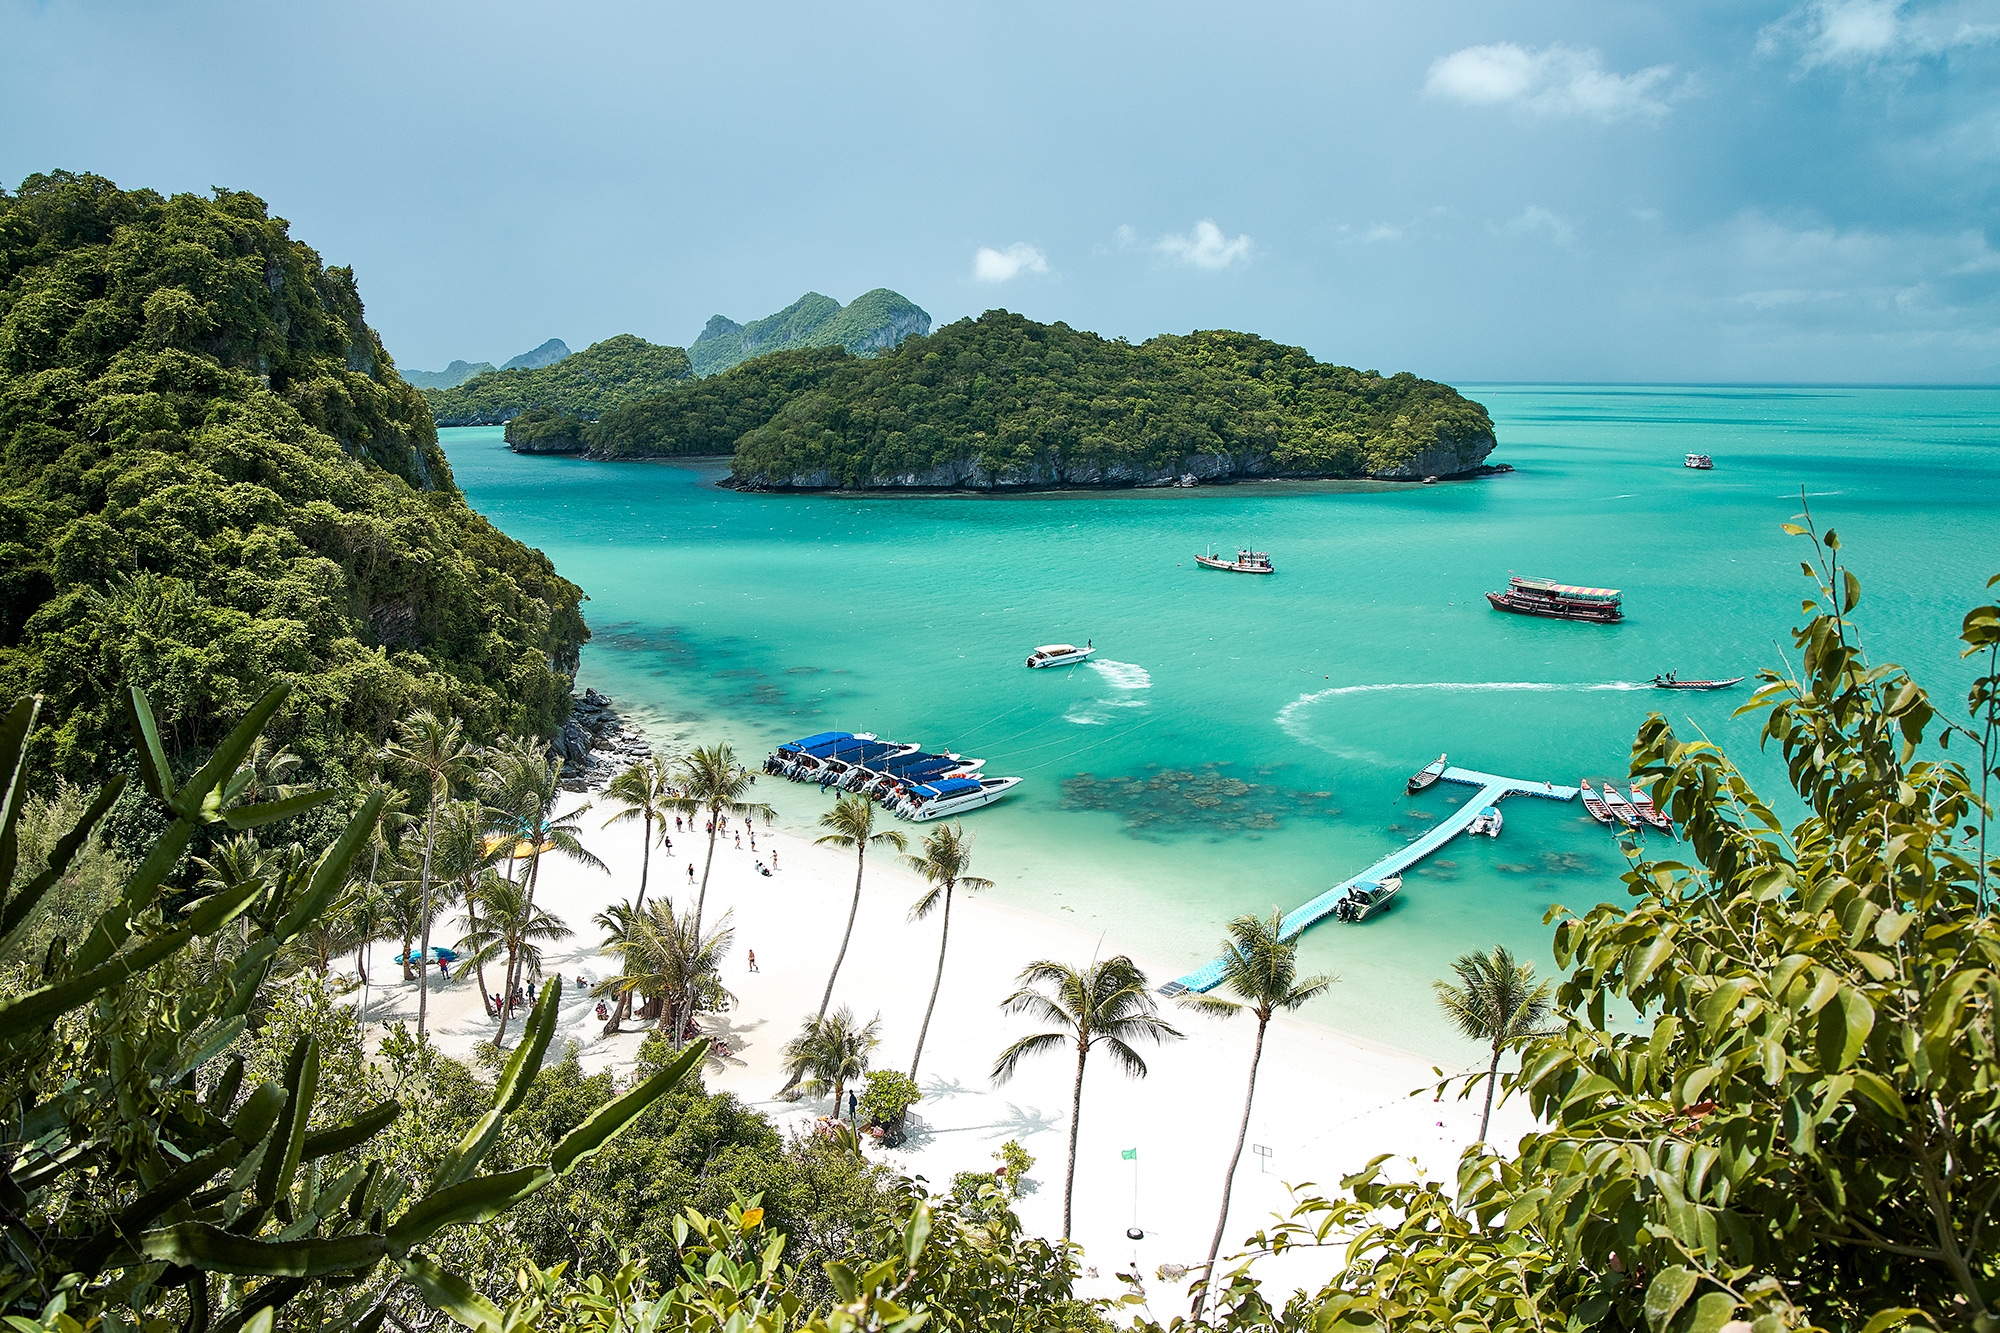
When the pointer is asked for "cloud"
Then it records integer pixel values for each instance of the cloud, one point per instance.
(1554, 81)
(1534, 220)
(1204, 247)
(1853, 33)
(990, 265)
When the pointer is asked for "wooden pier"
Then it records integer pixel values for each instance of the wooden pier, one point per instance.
(1491, 789)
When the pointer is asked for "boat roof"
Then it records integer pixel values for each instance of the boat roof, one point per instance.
(1057, 648)
(820, 739)
(1567, 589)
(949, 787)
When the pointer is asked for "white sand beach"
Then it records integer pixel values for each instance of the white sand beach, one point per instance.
(1326, 1102)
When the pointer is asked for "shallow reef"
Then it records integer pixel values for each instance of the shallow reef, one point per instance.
(1159, 801)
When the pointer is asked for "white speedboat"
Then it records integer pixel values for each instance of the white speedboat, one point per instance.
(953, 796)
(1487, 821)
(1059, 654)
(1366, 898)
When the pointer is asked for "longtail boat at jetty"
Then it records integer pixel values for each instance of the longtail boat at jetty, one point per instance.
(1648, 811)
(1560, 601)
(1599, 811)
(1669, 682)
(1246, 562)
(1424, 777)
(1621, 809)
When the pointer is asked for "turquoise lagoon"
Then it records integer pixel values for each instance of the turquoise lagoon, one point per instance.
(1241, 742)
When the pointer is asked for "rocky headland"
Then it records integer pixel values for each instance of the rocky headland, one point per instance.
(597, 743)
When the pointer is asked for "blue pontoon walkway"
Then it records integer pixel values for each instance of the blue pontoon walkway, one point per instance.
(1491, 789)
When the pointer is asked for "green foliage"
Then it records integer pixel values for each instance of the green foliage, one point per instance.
(874, 321)
(211, 478)
(886, 1095)
(139, 1169)
(1016, 1162)
(1020, 401)
(587, 384)
(83, 887)
(541, 430)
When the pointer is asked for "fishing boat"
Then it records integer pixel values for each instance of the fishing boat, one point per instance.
(1365, 898)
(1059, 654)
(1246, 562)
(952, 796)
(1559, 601)
(1425, 776)
(1487, 821)
(1621, 809)
(1670, 682)
(1647, 811)
(1599, 811)
(1699, 462)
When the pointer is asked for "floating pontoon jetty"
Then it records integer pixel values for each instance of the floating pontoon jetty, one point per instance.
(1491, 789)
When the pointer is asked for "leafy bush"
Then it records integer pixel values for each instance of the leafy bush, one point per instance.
(886, 1095)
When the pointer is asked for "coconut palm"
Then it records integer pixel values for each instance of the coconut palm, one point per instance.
(619, 922)
(402, 906)
(852, 824)
(433, 750)
(1108, 1002)
(531, 779)
(711, 781)
(1261, 966)
(501, 922)
(831, 1051)
(1497, 1001)
(670, 957)
(464, 851)
(947, 851)
(646, 791)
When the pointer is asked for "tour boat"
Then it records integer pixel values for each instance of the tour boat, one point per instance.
(1560, 601)
(952, 796)
(1246, 562)
(1365, 898)
(1059, 654)
(1667, 682)
(1647, 811)
(1424, 777)
(1599, 811)
(1621, 809)
(1699, 462)
(1487, 821)
(904, 770)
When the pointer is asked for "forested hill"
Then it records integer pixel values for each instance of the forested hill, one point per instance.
(583, 384)
(1003, 400)
(873, 322)
(211, 478)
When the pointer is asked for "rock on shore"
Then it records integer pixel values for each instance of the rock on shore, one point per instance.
(597, 743)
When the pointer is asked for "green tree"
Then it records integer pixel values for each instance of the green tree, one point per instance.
(1261, 965)
(830, 1052)
(1107, 1003)
(531, 780)
(851, 823)
(713, 784)
(946, 853)
(1496, 1001)
(500, 922)
(646, 792)
(670, 958)
(434, 751)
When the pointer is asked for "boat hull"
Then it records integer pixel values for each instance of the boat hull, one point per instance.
(1697, 684)
(1231, 566)
(923, 814)
(1522, 606)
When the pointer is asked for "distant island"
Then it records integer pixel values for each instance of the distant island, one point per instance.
(458, 372)
(874, 322)
(585, 384)
(1005, 402)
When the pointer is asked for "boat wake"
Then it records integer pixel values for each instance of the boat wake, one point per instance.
(1127, 676)
(1291, 718)
(1122, 675)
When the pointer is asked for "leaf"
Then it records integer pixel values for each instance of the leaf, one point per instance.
(515, 1079)
(253, 816)
(468, 1201)
(608, 1120)
(1667, 1294)
(154, 770)
(190, 800)
(352, 1134)
(20, 907)
(198, 1245)
(1712, 1311)
(451, 1295)
(1891, 1318)
(1842, 1029)
(330, 875)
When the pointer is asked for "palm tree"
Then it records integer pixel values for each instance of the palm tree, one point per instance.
(831, 1051)
(619, 922)
(852, 824)
(711, 781)
(1107, 1002)
(669, 956)
(1497, 1000)
(499, 921)
(947, 852)
(1261, 966)
(464, 852)
(434, 750)
(532, 779)
(645, 791)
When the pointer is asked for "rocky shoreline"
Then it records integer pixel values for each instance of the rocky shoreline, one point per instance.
(597, 743)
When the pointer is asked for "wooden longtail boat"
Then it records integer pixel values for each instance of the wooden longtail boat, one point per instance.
(1620, 808)
(1599, 811)
(1644, 805)
(1667, 682)
(1424, 777)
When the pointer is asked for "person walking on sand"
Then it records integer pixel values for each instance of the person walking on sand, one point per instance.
(774, 858)
(739, 842)
(690, 874)
(753, 960)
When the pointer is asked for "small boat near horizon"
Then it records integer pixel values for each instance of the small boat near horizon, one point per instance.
(1425, 776)
(1246, 562)
(1365, 898)
(1699, 462)
(1669, 682)
(1558, 601)
(1059, 654)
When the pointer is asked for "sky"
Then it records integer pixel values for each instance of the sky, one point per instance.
(1690, 191)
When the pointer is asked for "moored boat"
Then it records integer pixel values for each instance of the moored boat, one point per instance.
(1487, 821)
(1599, 811)
(1699, 462)
(1558, 601)
(1648, 811)
(1621, 809)
(951, 796)
(1365, 898)
(1425, 776)
(1670, 682)
(1059, 654)
(1246, 562)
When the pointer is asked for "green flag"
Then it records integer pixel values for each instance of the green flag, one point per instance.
(1130, 1154)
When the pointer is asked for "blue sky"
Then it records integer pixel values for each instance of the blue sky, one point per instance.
(1470, 190)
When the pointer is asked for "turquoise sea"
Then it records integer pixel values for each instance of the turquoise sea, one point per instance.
(1241, 742)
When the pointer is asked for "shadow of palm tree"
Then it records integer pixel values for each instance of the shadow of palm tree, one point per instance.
(1018, 1122)
(940, 1088)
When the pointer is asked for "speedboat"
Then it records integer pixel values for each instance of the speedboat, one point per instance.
(1246, 562)
(1648, 812)
(1059, 654)
(1487, 821)
(1620, 808)
(1364, 898)
(951, 796)
(1699, 462)
(1669, 682)
(1424, 777)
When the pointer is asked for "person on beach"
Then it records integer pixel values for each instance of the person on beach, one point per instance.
(739, 842)
(669, 843)
(850, 1103)
(753, 960)
(690, 873)
(774, 858)
(677, 823)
